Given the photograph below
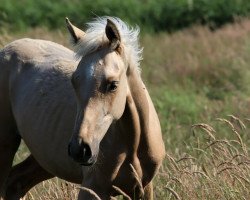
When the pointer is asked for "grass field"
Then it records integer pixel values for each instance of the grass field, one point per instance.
(199, 81)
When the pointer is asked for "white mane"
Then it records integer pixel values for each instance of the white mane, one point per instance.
(95, 37)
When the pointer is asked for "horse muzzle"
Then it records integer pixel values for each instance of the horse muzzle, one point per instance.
(82, 152)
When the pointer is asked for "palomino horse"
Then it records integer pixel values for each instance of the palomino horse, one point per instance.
(97, 110)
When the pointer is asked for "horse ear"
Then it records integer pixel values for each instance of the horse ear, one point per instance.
(75, 33)
(113, 35)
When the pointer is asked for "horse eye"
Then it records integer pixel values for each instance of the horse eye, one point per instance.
(112, 86)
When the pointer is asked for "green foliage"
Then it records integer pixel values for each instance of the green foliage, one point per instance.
(152, 15)
(172, 105)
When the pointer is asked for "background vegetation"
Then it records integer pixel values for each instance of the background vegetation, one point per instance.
(198, 78)
(152, 15)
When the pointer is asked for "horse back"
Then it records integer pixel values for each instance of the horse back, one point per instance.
(29, 65)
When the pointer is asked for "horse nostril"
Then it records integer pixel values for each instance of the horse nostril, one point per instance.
(87, 154)
(81, 152)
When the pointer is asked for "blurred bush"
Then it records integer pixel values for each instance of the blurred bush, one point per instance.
(152, 15)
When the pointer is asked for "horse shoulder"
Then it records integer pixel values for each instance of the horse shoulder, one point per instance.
(155, 140)
(152, 149)
(152, 138)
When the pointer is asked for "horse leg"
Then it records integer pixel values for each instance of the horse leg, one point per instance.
(149, 192)
(9, 143)
(92, 190)
(86, 193)
(9, 137)
(23, 177)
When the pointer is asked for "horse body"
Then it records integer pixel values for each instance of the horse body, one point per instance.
(41, 104)
(42, 100)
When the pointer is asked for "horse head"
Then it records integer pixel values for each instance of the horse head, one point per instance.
(99, 82)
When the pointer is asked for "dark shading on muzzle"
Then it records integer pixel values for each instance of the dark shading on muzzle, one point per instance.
(81, 153)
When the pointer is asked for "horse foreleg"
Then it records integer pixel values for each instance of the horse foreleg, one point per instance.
(23, 177)
(9, 138)
(9, 142)
(92, 190)
(149, 192)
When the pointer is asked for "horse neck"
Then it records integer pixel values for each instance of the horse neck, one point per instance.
(134, 121)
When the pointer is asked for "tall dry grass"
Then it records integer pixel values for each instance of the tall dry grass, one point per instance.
(198, 54)
(210, 167)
